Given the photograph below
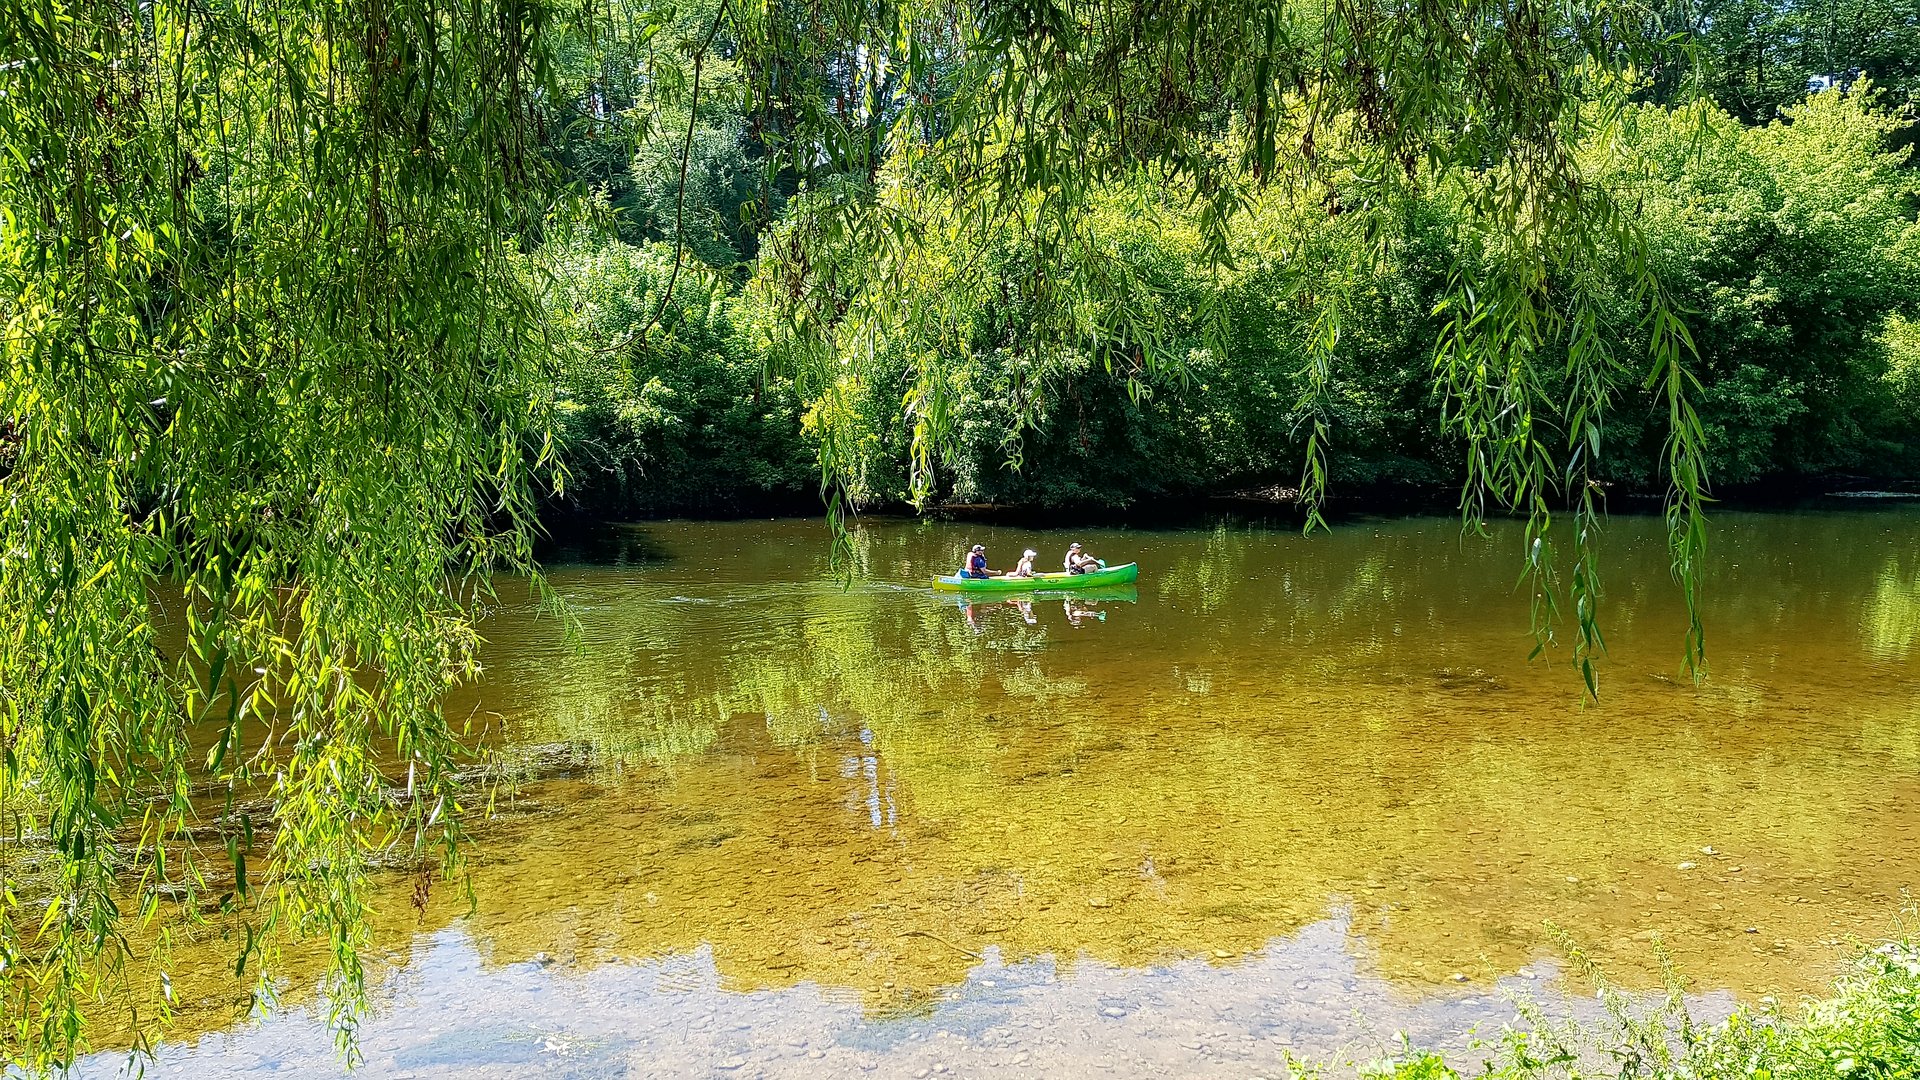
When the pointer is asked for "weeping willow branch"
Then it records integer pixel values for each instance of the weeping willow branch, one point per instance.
(1043, 112)
(686, 158)
(271, 365)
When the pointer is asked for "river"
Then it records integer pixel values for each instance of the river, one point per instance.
(1289, 796)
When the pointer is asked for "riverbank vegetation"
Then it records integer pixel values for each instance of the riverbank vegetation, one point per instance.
(1869, 1027)
(1785, 233)
(314, 310)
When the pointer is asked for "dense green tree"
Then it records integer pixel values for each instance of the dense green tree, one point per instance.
(627, 121)
(676, 416)
(269, 358)
(1790, 245)
(1756, 57)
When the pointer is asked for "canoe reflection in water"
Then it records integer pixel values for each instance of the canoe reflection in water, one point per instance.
(1080, 607)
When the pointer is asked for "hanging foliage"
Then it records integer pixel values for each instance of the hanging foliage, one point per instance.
(269, 358)
(1023, 114)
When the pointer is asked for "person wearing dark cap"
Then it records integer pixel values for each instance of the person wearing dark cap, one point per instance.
(1079, 562)
(975, 565)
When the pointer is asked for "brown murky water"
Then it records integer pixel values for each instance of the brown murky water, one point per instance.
(1290, 795)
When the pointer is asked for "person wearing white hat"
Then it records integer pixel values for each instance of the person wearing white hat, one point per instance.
(1025, 566)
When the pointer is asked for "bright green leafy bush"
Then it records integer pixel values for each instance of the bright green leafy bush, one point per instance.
(1793, 247)
(1869, 1029)
(668, 414)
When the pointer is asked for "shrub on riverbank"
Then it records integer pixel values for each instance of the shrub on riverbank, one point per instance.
(662, 407)
(1793, 248)
(1869, 1029)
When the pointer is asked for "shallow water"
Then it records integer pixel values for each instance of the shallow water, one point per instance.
(1291, 795)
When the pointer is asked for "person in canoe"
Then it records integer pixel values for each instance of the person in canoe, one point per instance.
(1024, 568)
(1080, 562)
(975, 565)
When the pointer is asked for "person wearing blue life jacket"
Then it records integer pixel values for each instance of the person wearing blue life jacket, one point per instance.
(975, 565)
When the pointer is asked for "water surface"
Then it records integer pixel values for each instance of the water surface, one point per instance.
(1290, 795)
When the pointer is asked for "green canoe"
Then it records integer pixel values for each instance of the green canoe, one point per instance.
(1093, 579)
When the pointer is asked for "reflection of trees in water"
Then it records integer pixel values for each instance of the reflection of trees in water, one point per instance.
(1250, 744)
(1890, 623)
(1891, 617)
(1346, 715)
(657, 730)
(1209, 577)
(1381, 600)
(1401, 603)
(658, 679)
